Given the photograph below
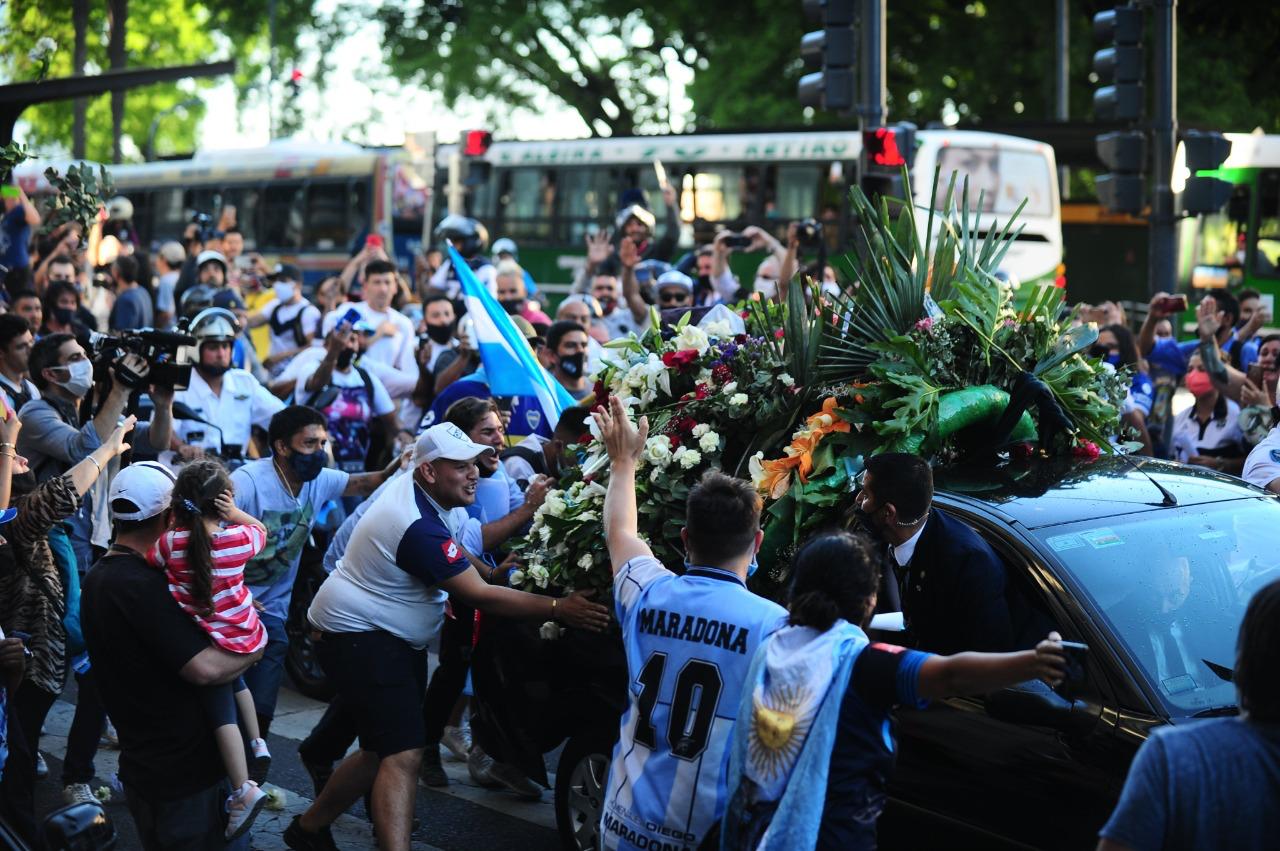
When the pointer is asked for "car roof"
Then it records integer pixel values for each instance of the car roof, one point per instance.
(1047, 492)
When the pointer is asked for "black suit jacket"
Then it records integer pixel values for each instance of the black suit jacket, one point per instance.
(954, 590)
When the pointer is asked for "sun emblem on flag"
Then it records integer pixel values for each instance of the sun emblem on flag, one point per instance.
(778, 729)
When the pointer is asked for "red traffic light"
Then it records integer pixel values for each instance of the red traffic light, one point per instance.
(295, 77)
(882, 147)
(475, 143)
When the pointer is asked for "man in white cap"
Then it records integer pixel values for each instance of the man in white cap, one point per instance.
(378, 610)
(150, 661)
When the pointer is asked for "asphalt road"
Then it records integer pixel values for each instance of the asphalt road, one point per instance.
(463, 816)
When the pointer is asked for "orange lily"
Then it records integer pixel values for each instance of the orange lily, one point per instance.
(777, 475)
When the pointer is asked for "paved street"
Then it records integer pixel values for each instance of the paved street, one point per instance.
(463, 816)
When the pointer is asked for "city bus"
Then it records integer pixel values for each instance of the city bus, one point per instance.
(548, 196)
(311, 204)
(1238, 246)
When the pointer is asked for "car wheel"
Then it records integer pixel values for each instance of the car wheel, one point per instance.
(300, 660)
(581, 778)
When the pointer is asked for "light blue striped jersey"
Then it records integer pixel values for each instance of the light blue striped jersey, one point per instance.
(689, 642)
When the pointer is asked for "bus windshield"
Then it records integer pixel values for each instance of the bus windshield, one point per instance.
(1000, 178)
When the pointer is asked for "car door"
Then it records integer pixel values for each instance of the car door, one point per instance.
(1023, 764)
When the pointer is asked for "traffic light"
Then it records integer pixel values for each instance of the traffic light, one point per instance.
(475, 144)
(1205, 151)
(1125, 153)
(885, 151)
(831, 51)
(1119, 65)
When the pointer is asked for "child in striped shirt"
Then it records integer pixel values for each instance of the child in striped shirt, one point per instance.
(204, 557)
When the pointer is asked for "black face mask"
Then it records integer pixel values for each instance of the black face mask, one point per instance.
(345, 357)
(865, 521)
(64, 315)
(307, 466)
(442, 333)
(573, 365)
(512, 305)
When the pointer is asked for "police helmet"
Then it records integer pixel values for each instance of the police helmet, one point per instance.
(639, 213)
(211, 256)
(470, 235)
(120, 209)
(214, 324)
(506, 245)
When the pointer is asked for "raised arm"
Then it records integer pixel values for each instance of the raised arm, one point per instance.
(1229, 380)
(625, 443)
(975, 673)
(1147, 333)
(628, 256)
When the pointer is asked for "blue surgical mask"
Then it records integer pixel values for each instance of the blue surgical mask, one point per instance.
(752, 567)
(1114, 360)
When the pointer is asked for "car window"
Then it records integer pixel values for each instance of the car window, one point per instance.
(1173, 585)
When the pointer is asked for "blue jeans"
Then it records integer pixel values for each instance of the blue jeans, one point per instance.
(266, 675)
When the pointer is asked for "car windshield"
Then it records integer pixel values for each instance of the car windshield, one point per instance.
(1173, 585)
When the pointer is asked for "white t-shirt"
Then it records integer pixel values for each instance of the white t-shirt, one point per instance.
(284, 342)
(260, 493)
(349, 413)
(1189, 438)
(396, 350)
(1262, 467)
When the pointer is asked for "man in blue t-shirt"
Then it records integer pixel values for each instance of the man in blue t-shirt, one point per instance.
(689, 640)
(133, 309)
(1213, 783)
(20, 216)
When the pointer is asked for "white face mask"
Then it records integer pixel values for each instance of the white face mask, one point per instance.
(766, 287)
(284, 291)
(81, 380)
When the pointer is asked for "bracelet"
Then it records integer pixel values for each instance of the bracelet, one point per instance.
(7, 445)
(9, 454)
(553, 608)
(95, 463)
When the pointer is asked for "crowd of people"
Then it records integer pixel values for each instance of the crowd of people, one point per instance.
(158, 534)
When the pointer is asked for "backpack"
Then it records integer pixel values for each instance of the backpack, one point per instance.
(278, 328)
(324, 397)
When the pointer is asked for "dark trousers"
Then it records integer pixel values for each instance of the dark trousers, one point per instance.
(333, 734)
(86, 731)
(193, 823)
(27, 710)
(450, 677)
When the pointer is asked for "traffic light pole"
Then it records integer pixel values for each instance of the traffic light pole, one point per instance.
(1162, 259)
(873, 109)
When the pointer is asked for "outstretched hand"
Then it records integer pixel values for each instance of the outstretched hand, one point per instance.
(1050, 661)
(621, 439)
(579, 611)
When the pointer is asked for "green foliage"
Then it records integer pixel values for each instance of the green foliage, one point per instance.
(81, 195)
(12, 155)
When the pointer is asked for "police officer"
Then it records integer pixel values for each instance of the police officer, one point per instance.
(228, 401)
(469, 238)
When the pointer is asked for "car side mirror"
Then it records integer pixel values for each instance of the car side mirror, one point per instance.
(78, 826)
(1034, 702)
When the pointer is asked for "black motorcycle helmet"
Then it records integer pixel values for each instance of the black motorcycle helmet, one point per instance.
(468, 235)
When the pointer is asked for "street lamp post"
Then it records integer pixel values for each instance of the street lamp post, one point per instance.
(155, 123)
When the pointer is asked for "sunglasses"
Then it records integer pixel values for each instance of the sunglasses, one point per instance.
(672, 296)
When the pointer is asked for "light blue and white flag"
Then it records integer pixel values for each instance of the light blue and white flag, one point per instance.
(510, 365)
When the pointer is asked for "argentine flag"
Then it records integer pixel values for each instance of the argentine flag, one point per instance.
(509, 363)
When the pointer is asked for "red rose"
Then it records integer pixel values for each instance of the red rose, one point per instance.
(1021, 451)
(1086, 449)
(778, 334)
(741, 338)
(722, 374)
(679, 360)
(701, 392)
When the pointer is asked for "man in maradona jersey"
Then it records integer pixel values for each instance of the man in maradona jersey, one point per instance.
(689, 641)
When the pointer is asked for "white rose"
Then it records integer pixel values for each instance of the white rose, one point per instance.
(549, 631)
(738, 399)
(692, 337)
(719, 328)
(657, 450)
(545, 534)
(756, 469)
(554, 503)
(539, 575)
(655, 475)
(787, 380)
(700, 429)
(709, 442)
(586, 562)
(588, 516)
(517, 578)
(730, 388)
(688, 458)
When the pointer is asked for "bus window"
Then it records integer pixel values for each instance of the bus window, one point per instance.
(796, 194)
(1219, 237)
(527, 202)
(282, 216)
(245, 200)
(1001, 178)
(586, 197)
(327, 226)
(714, 194)
(206, 199)
(168, 216)
(1267, 256)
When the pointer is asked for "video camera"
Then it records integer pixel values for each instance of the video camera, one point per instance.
(168, 353)
(809, 233)
(205, 222)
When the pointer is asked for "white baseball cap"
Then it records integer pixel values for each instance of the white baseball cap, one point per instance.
(147, 484)
(446, 440)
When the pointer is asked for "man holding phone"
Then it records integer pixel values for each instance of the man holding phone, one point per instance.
(389, 352)
(20, 216)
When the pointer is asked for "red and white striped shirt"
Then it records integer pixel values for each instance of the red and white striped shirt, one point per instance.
(234, 624)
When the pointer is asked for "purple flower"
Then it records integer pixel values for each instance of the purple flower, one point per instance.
(924, 324)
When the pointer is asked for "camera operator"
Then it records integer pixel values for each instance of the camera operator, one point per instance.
(751, 239)
(54, 437)
(229, 401)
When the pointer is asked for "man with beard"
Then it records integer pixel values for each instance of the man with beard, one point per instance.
(513, 294)
(566, 357)
(229, 401)
(951, 584)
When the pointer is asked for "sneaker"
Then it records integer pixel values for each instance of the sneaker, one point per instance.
(457, 741)
(243, 807)
(515, 780)
(432, 772)
(260, 763)
(42, 767)
(78, 793)
(478, 765)
(300, 840)
(320, 773)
